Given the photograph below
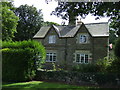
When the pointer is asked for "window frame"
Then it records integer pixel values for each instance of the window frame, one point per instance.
(52, 39)
(82, 38)
(50, 56)
(82, 55)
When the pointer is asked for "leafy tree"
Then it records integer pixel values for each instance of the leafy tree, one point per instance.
(115, 24)
(112, 37)
(30, 22)
(9, 21)
(109, 9)
(115, 65)
(49, 23)
(69, 10)
(117, 48)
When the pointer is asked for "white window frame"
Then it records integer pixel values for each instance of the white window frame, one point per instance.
(51, 57)
(83, 38)
(80, 56)
(52, 39)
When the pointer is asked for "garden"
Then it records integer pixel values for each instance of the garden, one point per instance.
(21, 60)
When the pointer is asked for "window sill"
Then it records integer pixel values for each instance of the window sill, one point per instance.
(80, 63)
(51, 61)
(83, 43)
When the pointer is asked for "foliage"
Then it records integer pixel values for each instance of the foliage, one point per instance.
(103, 9)
(74, 77)
(9, 4)
(117, 48)
(104, 64)
(30, 22)
(106, 78)
(37, 46)
(115, 66)
(9, 21)
(18, 64)
(115, 24)
(112, 37)
(69, 10)
(86, 68)
(49, 23)
(20, 60)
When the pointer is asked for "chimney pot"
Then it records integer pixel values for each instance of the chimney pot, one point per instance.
(79, 22)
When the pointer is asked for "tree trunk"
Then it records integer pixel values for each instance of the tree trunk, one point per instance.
(72, 19)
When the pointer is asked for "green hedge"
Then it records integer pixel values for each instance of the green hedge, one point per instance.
(85, 68)
(19, 60)
(77, 78)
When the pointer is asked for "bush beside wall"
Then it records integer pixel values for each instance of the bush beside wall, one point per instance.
(77, 78)
(19, 60)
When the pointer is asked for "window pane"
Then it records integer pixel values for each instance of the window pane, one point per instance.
(54, 58)
(50, 57)
(52, 39)
(86, 58)
(77, 57)
(82, 58)
(83, 38)
(47, 57)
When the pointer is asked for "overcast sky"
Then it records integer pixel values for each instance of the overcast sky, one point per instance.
(48, 8)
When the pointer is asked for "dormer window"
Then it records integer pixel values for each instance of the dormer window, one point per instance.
(52, 39)
(83, 38)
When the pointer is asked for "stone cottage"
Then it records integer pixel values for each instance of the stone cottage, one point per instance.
(74, 44)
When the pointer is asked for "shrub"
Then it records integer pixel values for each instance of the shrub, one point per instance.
(74, 77)
(117, 48)
(19, 60)
(104, 64)
(86, 68)
(115, 66)
(105, 78)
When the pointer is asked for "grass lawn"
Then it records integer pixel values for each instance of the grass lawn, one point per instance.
(33, 85)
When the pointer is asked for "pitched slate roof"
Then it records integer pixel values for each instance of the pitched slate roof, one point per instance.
(66, 31)
(98, 29)
(42, 32)
(95, 29)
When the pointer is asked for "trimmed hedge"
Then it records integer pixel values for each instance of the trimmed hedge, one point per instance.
(19, 60)
(77, 78)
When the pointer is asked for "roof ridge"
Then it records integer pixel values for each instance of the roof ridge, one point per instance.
(97, 23)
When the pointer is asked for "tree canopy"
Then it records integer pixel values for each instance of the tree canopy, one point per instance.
(112, 37)
(69, 10)
(9, 21)
(47, 23)
(29, 23)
